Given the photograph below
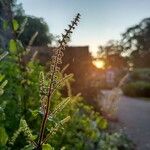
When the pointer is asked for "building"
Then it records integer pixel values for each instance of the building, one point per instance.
(78, 57)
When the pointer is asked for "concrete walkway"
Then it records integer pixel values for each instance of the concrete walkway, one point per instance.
(134, 119)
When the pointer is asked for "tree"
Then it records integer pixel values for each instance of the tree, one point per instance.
(111, 53)
(136, 43)
(6, 28)
(111, 47)
(34, 25)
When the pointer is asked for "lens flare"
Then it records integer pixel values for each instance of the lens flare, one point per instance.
(100, 64)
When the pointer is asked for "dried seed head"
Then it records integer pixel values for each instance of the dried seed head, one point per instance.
(58, 52)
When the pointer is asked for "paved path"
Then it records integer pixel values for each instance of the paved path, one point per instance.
(134, 116)
(134, 119)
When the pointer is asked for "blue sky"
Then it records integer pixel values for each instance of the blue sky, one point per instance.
(101, 20)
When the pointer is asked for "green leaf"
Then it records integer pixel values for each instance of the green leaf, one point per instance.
(3, 136)
(15, 25)
(28, 147)
(103, 124)
(47, 147)
(1, 77)
(12, 46)
(34, 113)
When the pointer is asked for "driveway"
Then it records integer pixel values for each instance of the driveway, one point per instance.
(134, 118)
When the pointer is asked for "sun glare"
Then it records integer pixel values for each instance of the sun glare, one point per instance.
(99, 64)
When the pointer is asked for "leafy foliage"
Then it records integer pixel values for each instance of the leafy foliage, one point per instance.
(83, 130)
(21, 113)
(137, 89)
(34, 25)
(115, 141)
(19, 102)
(136, 43)
(137, 37)
(138, 84)
(19, 95)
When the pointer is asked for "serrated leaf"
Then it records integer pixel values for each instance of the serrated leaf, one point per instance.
(15, 24)
(12, 46)
(47, 147)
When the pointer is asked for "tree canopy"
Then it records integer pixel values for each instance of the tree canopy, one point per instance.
(137, 37)
(34, 25)
(136, 42)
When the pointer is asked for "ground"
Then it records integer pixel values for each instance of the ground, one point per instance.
(134, 119)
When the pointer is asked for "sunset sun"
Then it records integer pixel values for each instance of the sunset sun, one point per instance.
(99, 64)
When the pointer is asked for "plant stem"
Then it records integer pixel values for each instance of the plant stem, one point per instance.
(47, 107)
(50, 92)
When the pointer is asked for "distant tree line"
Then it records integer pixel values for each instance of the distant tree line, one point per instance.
(134, 45)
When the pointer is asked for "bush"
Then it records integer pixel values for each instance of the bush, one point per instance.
(84, 129)
(141, 74)
(115, 141)
(137, 89)
(139, 84)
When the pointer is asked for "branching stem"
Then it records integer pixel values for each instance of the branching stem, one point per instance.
(55, 63)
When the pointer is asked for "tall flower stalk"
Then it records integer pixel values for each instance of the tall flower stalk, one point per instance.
(54, 83)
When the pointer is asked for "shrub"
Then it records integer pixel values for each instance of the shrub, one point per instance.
(83, 130)
(141, 74)
(115, 141)
(139, 83)
(137, 89)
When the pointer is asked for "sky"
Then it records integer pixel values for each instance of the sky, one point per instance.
(101, 20)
